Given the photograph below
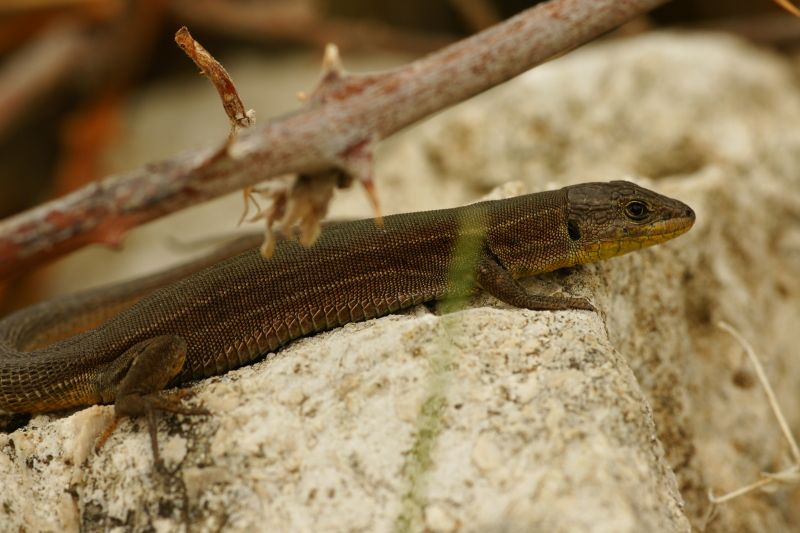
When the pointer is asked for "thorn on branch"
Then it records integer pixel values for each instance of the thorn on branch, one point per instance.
(214, 71)
(332, 75)
(355, 161)
(332, 62)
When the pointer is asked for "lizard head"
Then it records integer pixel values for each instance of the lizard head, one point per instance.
(609, 219)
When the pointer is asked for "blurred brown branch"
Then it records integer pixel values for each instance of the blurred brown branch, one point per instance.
(775, 29)
(332, 137)
(13, 6)
(32, 72)
(478, 14)
(301, 22)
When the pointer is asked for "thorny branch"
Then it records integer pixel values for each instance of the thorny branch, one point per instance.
(332, 136)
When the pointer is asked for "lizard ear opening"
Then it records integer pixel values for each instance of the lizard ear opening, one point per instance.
(573, 230)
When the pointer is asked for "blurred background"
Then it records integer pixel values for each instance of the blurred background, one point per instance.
(93, 87)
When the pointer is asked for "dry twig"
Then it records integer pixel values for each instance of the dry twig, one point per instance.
(334, 134)
(216, 73)
(787, 475)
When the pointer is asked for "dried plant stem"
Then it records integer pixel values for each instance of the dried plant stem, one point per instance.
(739, 492)
(762, 377)
(788, 475)
(216, 73)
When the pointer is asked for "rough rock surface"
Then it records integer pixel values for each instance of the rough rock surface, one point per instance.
(498, 419)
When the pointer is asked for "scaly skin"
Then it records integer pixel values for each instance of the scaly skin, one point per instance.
(244, 307)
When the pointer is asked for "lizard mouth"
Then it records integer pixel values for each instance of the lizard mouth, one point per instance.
(663, 230)
(645, 235)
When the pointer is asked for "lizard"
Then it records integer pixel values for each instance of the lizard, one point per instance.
(140, 338)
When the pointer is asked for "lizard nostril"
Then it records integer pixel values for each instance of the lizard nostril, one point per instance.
(689, 212)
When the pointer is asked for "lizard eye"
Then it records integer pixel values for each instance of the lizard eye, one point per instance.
(636, 210)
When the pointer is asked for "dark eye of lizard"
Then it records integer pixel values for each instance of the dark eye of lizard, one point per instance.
(636, 210)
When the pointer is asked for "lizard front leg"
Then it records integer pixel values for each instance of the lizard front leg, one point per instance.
(497, 281)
